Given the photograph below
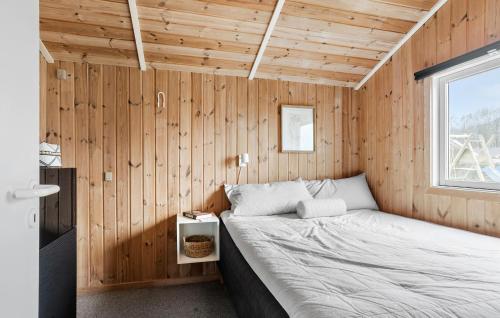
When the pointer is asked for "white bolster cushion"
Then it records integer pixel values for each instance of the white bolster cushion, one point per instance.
(316, 208)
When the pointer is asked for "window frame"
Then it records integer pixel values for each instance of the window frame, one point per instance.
(440, 121)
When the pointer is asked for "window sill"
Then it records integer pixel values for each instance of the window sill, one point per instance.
(469, 193)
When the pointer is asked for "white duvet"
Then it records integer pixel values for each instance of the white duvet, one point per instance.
(370, 264)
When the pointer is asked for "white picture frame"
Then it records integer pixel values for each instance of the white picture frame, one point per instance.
(297, 129)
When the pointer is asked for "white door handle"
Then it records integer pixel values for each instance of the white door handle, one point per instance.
(36, 191)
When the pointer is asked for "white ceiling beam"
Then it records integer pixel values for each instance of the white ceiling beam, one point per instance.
(267, 37)
(132, 5)
(401, 42)
(45, 53)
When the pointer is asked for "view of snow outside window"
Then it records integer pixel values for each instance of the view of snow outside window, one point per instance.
(474, 128)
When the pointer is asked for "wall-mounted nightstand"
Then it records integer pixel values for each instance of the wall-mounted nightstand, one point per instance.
(187, 227)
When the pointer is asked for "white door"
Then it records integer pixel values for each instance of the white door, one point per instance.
(18, 157)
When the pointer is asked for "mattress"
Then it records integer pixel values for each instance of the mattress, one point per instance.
(370, 264)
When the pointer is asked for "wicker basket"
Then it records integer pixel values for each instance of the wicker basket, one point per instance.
(197, 246)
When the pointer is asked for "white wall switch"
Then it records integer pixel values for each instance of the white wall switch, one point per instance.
(62, 74)
(108, 176)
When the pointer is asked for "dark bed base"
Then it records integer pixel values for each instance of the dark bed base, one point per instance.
(247, 292)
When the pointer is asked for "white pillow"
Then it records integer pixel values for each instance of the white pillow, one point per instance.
(316, 208)
(354, 191)
(266, 199)
(321, 189)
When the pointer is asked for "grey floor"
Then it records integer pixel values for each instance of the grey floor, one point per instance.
(196, 300)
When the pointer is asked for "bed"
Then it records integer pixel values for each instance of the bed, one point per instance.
(362, 264)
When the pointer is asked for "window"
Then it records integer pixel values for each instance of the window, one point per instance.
(466, 123)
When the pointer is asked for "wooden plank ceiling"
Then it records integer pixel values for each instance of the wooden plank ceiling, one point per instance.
(333, 42)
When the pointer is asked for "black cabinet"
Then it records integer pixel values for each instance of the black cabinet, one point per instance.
(57, 282)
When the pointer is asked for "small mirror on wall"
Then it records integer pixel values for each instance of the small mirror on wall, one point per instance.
(297, 128)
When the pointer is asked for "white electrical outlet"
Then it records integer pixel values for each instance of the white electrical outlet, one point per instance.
(108, 176)
(62, 74)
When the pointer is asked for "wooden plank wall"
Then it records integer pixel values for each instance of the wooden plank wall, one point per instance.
(175, 159)
(394, 120)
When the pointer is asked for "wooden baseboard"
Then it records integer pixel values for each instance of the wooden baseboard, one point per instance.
(150, 283)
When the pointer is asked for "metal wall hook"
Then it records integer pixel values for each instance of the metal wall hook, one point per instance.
(162, 95)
